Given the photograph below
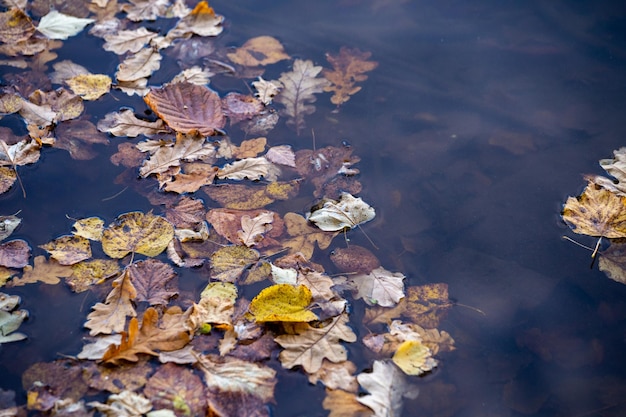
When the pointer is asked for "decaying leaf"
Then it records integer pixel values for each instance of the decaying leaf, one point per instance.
(353, 259)
(228, 223)
(304, 237)
(128, 40)
(91, 272)
(216, 305)
(202, 21)
(229, 262)
(266, 90)
(615, 167)
(187, 108)
(262, 50)
(14, 253)
(283, 302)
(7, 225)
(244, 197)
(308, 346)
(386, 386)
(90, 228)
(170, 335)
(249, 168)
(238, 107)
(348, 212)
(176, 388)
(298, 94)
(341, 403)
(10, 319)
(90, 86)
(69, 249)
(124, 404)
(253, 229)
(414, 358)
(349, 68)
(137, 232)
(15, 26)
(139, 66)
(110, 316)
(125, 123)
(152, 281)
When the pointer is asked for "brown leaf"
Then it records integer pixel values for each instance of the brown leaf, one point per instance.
(69, 249)
(304, 237)
(171, 335)
(91, 272)
(349, 68)
(15, 26)
(229, 262)
(228, 223)
(65, 104)
(125, 123)
(262, 50)
(244, 197)
(238, 107)
(354, 258)
(77, 136)
(48, 272)
(187, 107)
(195, 176)
(63, 377)
(151, 278)
(130, 377)
(176, 388)
(110, 316)
(127, 155)
(187, 213)
(139, 66)
(14, 254)
(188, 147)
(341, 403)
(322, 165)
(202, 21)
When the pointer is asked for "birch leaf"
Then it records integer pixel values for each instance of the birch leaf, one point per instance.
(348, 212)
(298, 94)
(57, 25)
(310, 345)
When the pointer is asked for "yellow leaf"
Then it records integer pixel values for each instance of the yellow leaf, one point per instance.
(88, 273)
(414, 358)
(68, 250)
(147, 234)
(229, 262)
(90, 86)
(90, 228)
(283, 302)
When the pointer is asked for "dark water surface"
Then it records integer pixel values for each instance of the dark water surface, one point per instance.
(477, 124)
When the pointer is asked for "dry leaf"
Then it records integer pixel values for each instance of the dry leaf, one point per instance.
(244, 197)
(139, 66)
(349, 68)
(310, 345)
(187, 108)
(262, 50)
(281, 155)
(7, 225)
(353, 259)
(216, 305)
(386, 386)
(300, 87)
(414, 358)
(128, 40)
(138, 10)
(336, 376)
(202, 21)
(238, 107)
(266, 90)
(340, 403)
(15, 26)
(348, 212)
(14, 254)
(110, 316)
(136, 232)
(90, 228)
(613, 261)
(124, 404)
(90, 86)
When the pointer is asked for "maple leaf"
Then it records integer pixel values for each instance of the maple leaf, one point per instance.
(69, 249)
(349, 68)
(57, 25)
(137, 232)
(386, 386)
(282, 302)
(304, 237)
(171, 335)
(310, 345)
(151, 279)
(124, 41)
(14, 254)
(110, 316)
(187, 107)
(300, 86)
(262, 50)
(48, 272)
(348, 212)
(253, 229)
(124, 123)
(10, 319)
(379, 287)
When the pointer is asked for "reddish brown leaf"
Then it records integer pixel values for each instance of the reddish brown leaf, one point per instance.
(176, 388)
(151, 279)
(238, 107)
(227, 223)
(187, 107)
(14, 254)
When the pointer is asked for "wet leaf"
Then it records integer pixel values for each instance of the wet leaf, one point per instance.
(349, 68)
(249, 168)
(322, 166)
(22, 153)
(300, 86)
(7, 225)
(231, 375)
(124, 404)
(90, 228)
(283, 302)
(10, 319)
(379, 287)
(348, 212)
(62, 377)
(228, 224)
(336, 376)
(152, 281)
(187, 108)
(193, 75)
(176, 388)
(596, 212)
(309, 345)
(414, 358)
(386, 386)
(304, 237)
(91, 272)
(281, 155)
(125, 123)
(90, 86)
(110, 316)
(238, 107)
(244, 197)
(216, 305)
(62, 102)
(48, 272)
(354, 258)
(253, 228)
(137, 10)
(202, 21)
(15, 26)
(69, 249)
(262, 50)
(229, 262)
(56, 25)
(14, 253)
(615, 167)
(248, 149)
(170, 335)
(7, 178)
(266, 90)
(136, 232)
(139, 66)
(128, 40)
(340, 403)
(131, 377)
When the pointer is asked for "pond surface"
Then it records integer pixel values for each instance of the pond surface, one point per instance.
(478, 122)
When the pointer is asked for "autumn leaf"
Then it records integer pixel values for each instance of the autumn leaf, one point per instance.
(124, 123)
(201, 21)
(349, 68)
(266, 90)
(379, 287)
(216, 305)
(281, 155)
(7, 225)
(137, 10)
(228, 224)
(22, 153)
(309, 345)
(57, 25)
(90, 228)
(348, 212)
(14, 253)
(69, 249)
(187, 107)
(414, 358)
(300, 86)
(322, 166)
(615, 167)
(253, 229)
(249, 168)
(229, 262)
(48, 272)
(244, 197)
(613, 261)
(247, 149)
(386, 386)
(124, 404)
(124, 41)
(353, 259)
(110, 316)
(11, 319)
(135, 232)
(341, 403)
(90, 86)
(148, 338)
(15, 26)
(152, 281)
(336, 376)
(283, 302)
(91, 272)
(176, 388)
(262, 50)
(238, 107)
(304, 237)
(129, 376)
(139, 66)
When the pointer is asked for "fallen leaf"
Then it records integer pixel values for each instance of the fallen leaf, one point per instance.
(110, 316)
(244, 197)
(124, 404)
(414, 358)
(10, 319)
(136, 232)
(176, 388)
(336, 376)
(48, 272)
(15, 26)
(57, 25)
(248, 149)
(139, 66)
(152, 281)
(65, 70)
(253, 229)
(187, 107)
(379, 287)
(91, 272)
(216, 305)
(77, 137)
(615, 167)
(349, 68)
(283, 302)
(238, 107)
(124, 123)
(201, 21)
(137, 10)
(309, 345)
(65, 104)
(249, 168)
(298, 93)
(229, 262)
(171, 335)
(386, 386)
(340, 403)
(193, 75)
(426, 305)
(304, 237)
(90, 228)
(69, 249)
(128, 40)
(62, 377)
(7, 225)
(7, 178)
(91, 86)
(348, 212)
(281, 155)
(262, 50)
(228, 224)
(353, 259)
(323, 166)
(125, 377)
(14, 253)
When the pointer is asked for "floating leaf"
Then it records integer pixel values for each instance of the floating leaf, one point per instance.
(15, 26)
(14, 253)
(283, 302)
(216, 305)
(57, 25)
(379, 287)
(152, 281)
(244, 197)
(349, 68)
(90, 228)
(253, 229)
(414, 358)
(136, 232)
(202, 21)
(262, 50)
(125, 123)
(229, 262)
(124, 41)
(176, 388)
(87, 273)
(139, 66)
(615, 167)
(90, 86)
(300, 87)
(48, 272)
(126, 404)
(238, 107)
(266, 90)
(187, 107)
(7, 225)
(348, 212)
(10, 320)
(304, 237)
(386, 386)
(68, 250)
(110, 316)
(250, 168)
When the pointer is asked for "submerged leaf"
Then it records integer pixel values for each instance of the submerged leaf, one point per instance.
(349, 68)
(262, 50)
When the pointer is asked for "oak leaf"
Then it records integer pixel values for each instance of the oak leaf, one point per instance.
(266, 90)
(125, 123)
(137, 232)
(110, 316)
(298, 93)
(282, 302)
(308, 345)
(349, 68)
(386, 386)
(341, 403)
(48, 272)
(14, 253)
(149, 338)
(615, 167)
(56, 25)
(152, 281)
(187, 107)
(379, 287)
(348, 212)
(596, 212)
(262, 50)
(304, 237)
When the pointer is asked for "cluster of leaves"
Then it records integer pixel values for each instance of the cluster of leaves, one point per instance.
(214, 350)
(600, 211)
